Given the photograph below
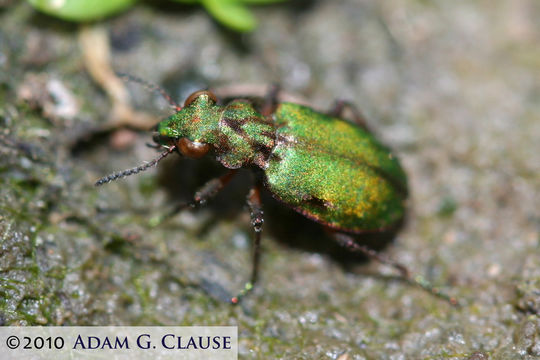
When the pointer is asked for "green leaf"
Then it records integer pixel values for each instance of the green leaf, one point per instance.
(81, 10)
(260, 2)
(231, 14)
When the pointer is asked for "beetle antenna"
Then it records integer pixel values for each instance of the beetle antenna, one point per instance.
(151, 87)
(135, 170)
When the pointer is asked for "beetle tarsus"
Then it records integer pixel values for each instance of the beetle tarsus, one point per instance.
(349, 243)
(205, 193)
(257, 220)
(211, 189)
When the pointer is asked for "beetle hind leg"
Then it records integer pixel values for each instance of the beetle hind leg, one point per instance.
(255, 208)
(348, 242)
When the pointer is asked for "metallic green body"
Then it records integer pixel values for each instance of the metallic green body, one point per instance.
(334, 172)
(324, 167)
(240, 136)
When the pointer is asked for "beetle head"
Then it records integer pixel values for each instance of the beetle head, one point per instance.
(192, 129)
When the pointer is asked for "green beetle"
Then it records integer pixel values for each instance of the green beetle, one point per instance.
(331, 170)
(326, 168)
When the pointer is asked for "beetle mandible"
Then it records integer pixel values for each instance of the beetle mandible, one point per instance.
(329, 169)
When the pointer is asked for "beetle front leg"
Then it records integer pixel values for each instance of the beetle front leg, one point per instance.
(202, 195)
(255, 208)
(348, 242)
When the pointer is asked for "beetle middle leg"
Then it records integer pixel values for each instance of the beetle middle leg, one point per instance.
(255, 208)
(348, 242)
(358, 118)
(202, 195)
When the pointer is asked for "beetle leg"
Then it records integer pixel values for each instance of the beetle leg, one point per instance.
(150, 87)
(339, 108)
(202, 195)
(270, 100)
(211, 189)
(349, 243)
(255, 208)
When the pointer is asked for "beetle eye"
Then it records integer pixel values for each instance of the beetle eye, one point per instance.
(196, 94)
(192, 149)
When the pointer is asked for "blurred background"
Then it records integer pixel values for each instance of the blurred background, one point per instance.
(452, 86)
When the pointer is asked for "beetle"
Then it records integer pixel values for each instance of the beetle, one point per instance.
(332, 170)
